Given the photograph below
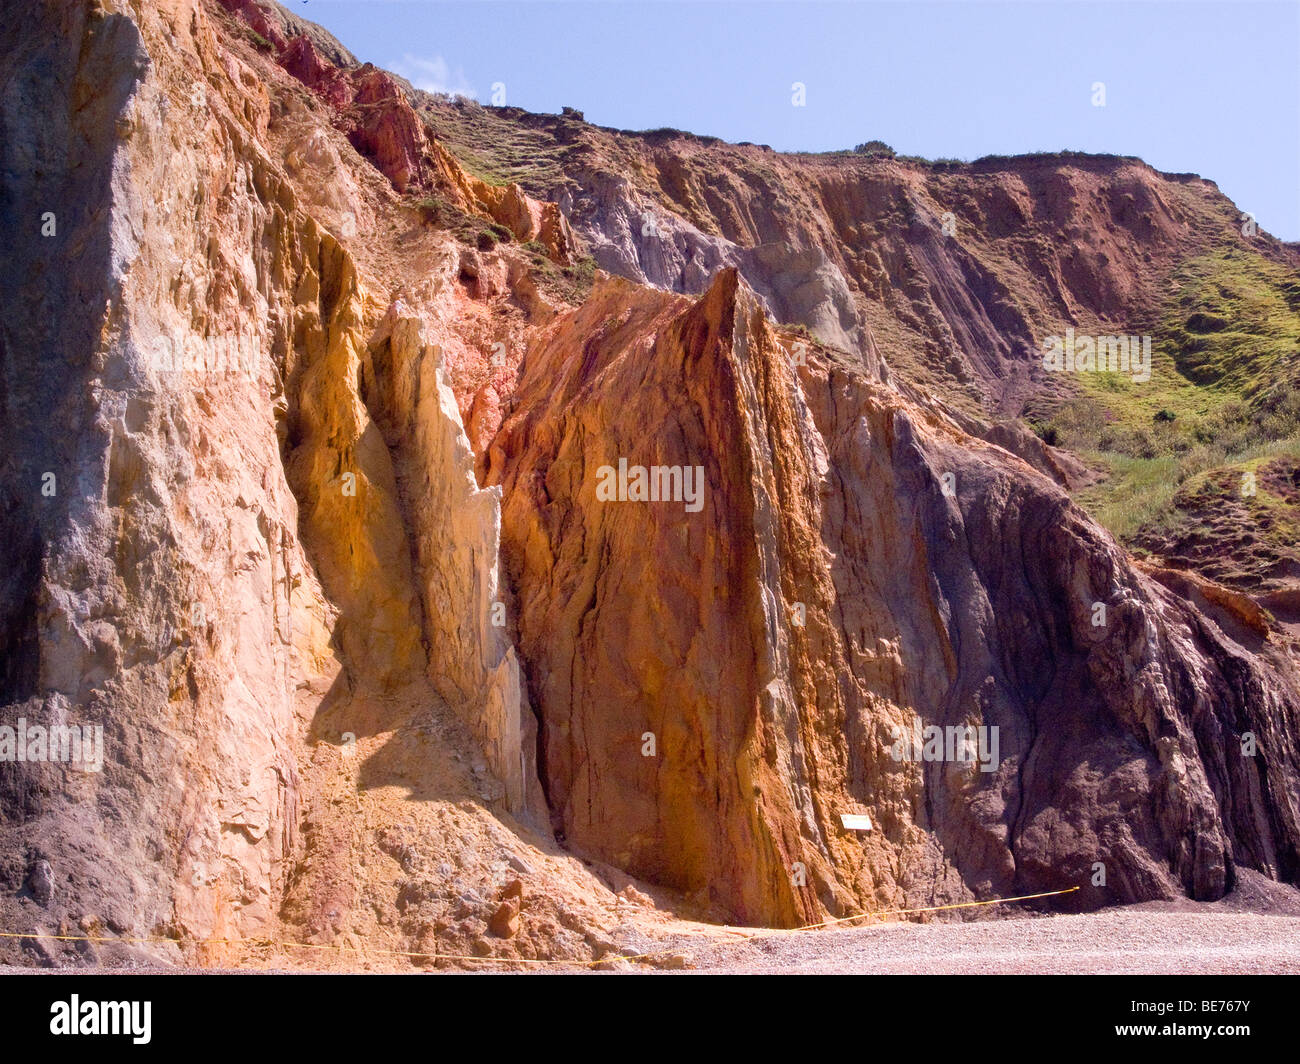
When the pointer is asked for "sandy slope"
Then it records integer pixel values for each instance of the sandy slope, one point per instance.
(1121, 941)
(1255, 930)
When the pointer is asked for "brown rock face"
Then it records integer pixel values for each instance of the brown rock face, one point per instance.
(949, 274)
(645, 623)
(855, 568)
(394, 567)
(373, 110)
(283, 625)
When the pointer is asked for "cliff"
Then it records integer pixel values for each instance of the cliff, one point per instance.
(307, 504)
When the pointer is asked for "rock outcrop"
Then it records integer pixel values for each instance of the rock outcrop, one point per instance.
(328, 515)
(245, 536)
(372, 109)
(856, 565)
(951, 274)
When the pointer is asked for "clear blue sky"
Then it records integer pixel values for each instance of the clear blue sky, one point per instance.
(1208, 88)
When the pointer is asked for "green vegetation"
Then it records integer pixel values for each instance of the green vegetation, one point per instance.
(259, 42)
(874, 147)
(1138, 493)
(1064, 155)
(1240, 525)
(570, 283)
(500, 148)
(1224, 393)
(467, 228)
(1235, 321)
(491, 235)
(431, 209)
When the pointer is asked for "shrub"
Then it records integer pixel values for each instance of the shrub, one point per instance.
(583, 270)
(875, 147)
(1049, 434)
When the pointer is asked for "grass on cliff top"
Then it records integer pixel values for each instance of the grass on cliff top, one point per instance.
(1224, 393)
(1235, 322)
(498, 149)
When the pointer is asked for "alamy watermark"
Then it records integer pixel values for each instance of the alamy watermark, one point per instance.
(960, 743)
(1098, 354)
(62, 743)
(77, 1017)
(684, 484)
(234, 355)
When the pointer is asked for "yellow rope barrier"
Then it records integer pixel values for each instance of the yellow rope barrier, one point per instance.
(899, 912)
(436, 956)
